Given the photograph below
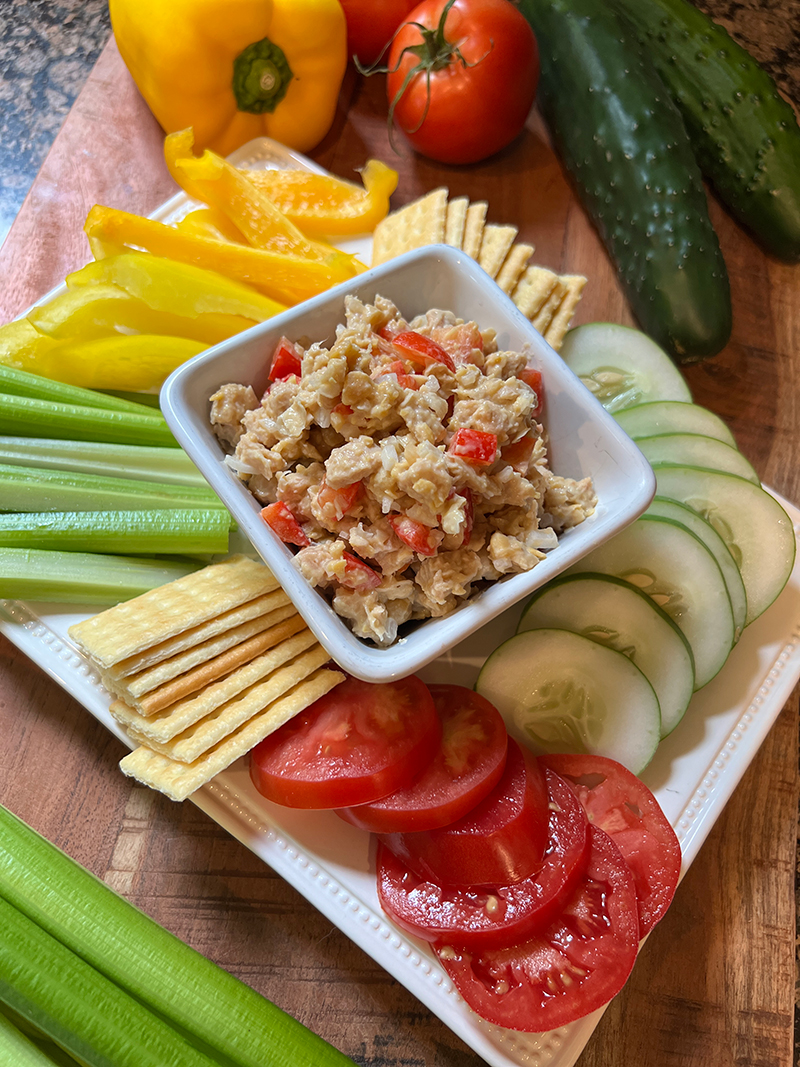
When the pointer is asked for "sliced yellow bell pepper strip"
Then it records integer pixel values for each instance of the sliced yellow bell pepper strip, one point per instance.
(236, 70)
(22, 346)
(92, 311)
(207, 222)
(130, 362)
(321, 205)
(288, 279)
(217, 183)
(183, 288)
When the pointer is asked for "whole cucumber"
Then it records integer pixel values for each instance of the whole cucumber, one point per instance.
(744, 134)
(625, 145)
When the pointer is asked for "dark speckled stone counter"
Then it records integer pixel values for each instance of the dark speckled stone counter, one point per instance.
(47, 49)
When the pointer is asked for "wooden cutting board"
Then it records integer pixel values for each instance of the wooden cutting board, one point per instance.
(714, 985)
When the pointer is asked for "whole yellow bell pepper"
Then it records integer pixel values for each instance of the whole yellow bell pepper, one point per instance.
(236, 69)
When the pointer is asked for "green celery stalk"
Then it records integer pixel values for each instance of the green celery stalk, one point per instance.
(83, 577)
(142, 462)
(40, 489)
(175, 531)
(32, 417)
(23, 383)
(80, 1009)
(22, 1050)
(196, 996)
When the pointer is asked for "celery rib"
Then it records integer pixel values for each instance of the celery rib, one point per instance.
(141, 462)
(23, 383)
(32, 417)
(80, 1009)
(41, 489)
(22, 1050)
(179, 984)
(83, 577)
(176, 531)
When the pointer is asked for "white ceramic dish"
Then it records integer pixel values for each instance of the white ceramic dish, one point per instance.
(583, 440)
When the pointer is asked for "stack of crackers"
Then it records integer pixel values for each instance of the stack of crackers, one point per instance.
(202, 669)
(546, 298)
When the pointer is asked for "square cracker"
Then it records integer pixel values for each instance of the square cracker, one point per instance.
(533, 288)
(495, 244)
(473, 227)
(127, 628)
(544, 316)
(198, 738)
(179, 780)
(455, 220)
(166, 660)
(197, 678)
(559, 324)
(513, 266)
(422, 222)
(183, 714)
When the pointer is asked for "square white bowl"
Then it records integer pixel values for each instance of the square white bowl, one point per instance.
(583, 440)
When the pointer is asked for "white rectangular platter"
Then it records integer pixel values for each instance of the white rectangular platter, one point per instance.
(693, 774)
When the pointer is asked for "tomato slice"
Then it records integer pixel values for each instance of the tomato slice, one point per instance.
(468, 765)
(421, 350)
(499, 842)
(359, 742)
(491, 918)
(475, 446)
(622, 805)
(286, 360)
(278, 516)
(572, 968)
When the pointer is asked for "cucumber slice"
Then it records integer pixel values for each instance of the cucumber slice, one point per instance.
(560, 692)
(749, 520)
(616, 614)
(676, 569)
(672, 416)
(622, 366)
(692, 450)
(671, 509)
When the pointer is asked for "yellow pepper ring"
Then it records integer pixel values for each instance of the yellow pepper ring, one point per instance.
(261, 76)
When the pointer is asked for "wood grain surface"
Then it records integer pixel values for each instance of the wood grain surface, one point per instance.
(714, 984)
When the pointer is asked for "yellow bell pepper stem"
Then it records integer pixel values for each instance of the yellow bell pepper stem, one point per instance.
(126, 362)
(236, 70)
(286, 278)
(92, 311)
(321, 205)
(217, 183)
(167, 285)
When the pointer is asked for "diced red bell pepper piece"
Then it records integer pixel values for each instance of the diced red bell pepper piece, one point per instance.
(358, 574)
(286, 360)
(518, 454)
(421, 350)
(414, 534)
(281, 521)
(475, 446)
(398, 367)
(534, 379)
(340, 500)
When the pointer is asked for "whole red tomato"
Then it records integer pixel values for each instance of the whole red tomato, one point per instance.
(370, 25)
(461, 88)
